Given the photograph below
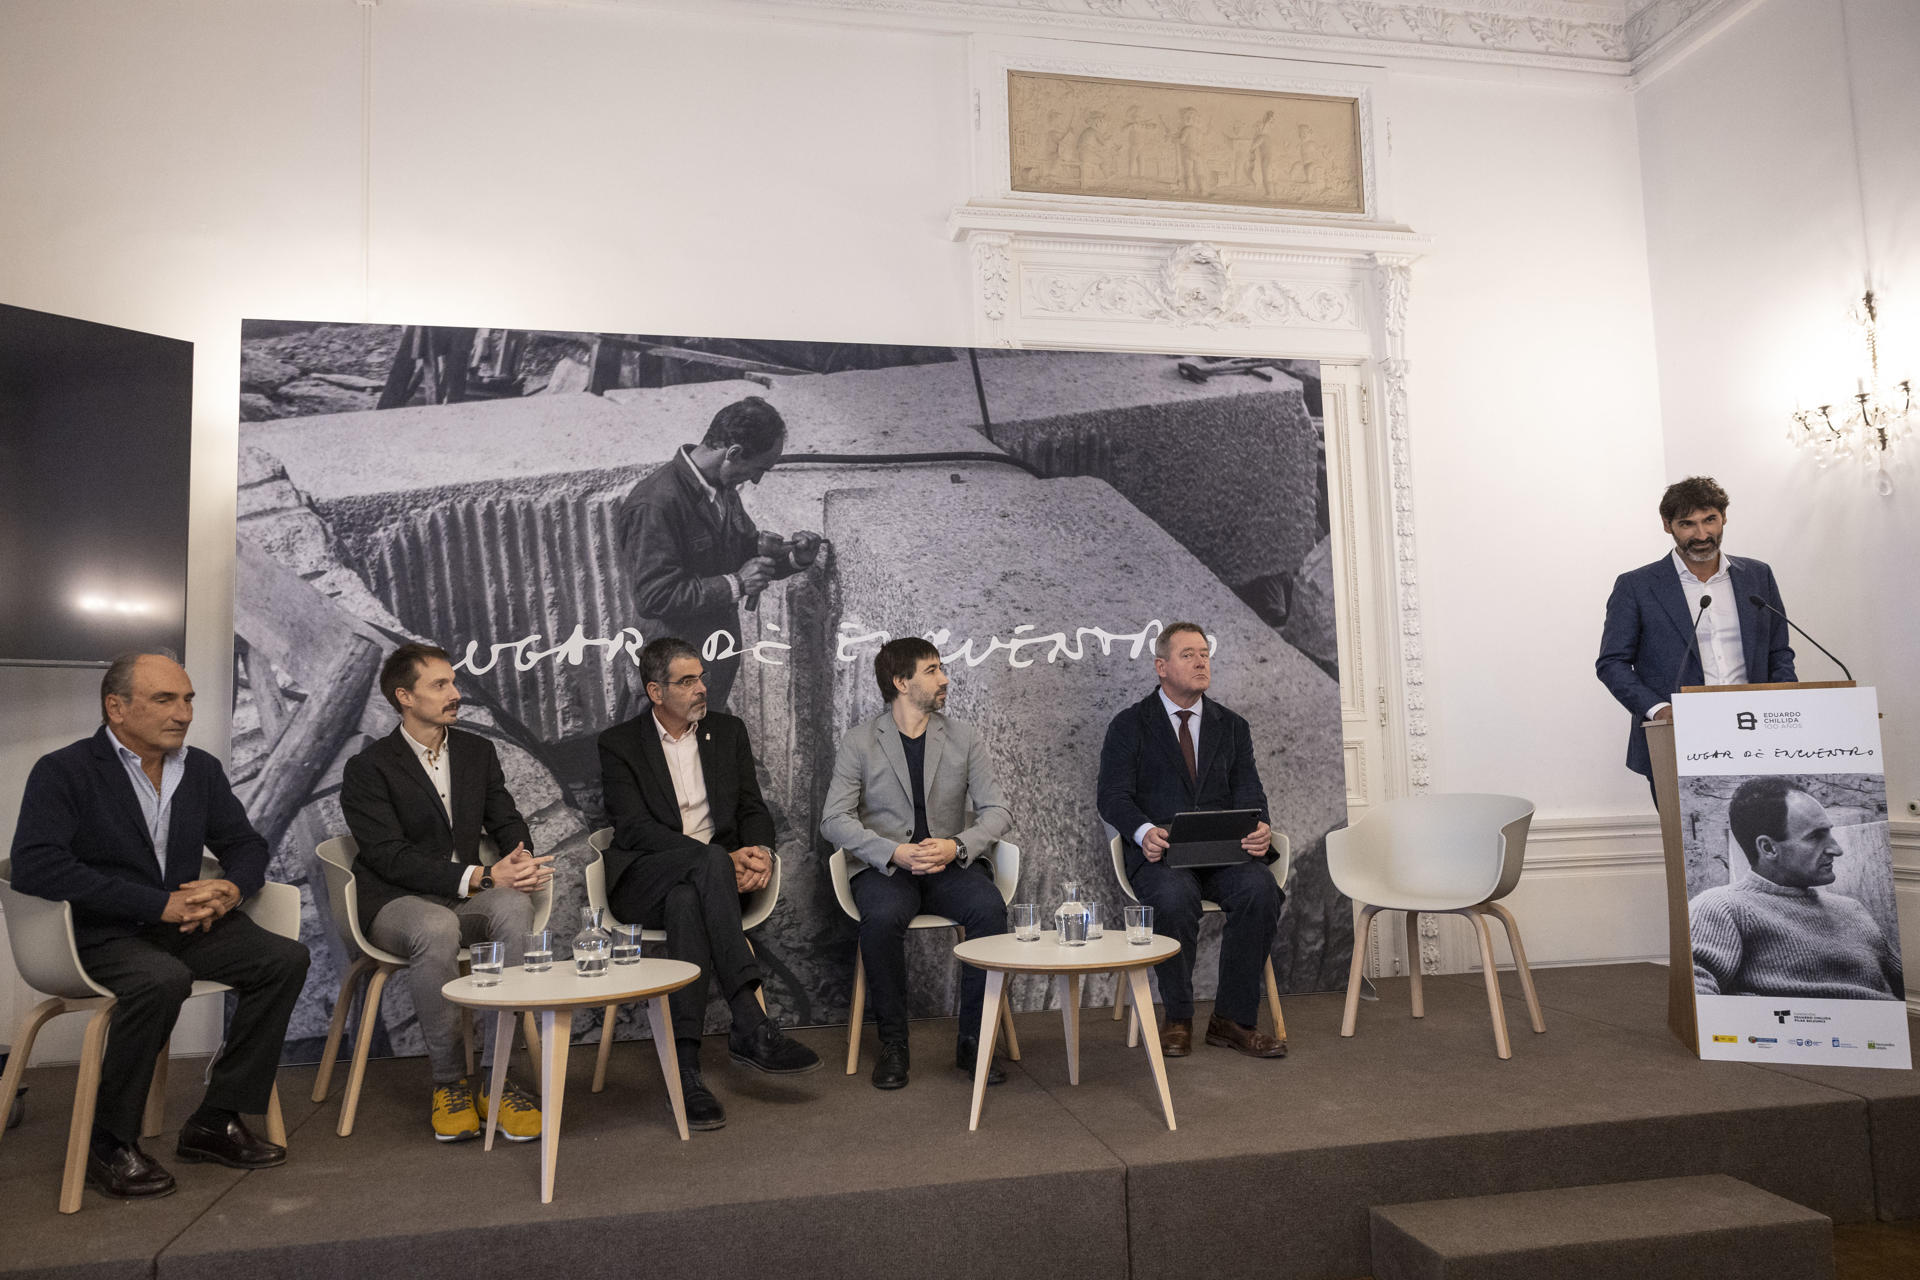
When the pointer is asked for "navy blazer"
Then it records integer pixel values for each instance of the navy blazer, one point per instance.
(1647, 647)
(645, 810)
(407, 846)
(83, 839)
(1143, 776)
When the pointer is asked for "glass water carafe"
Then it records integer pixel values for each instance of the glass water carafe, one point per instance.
(1070, 921)
(592, 945)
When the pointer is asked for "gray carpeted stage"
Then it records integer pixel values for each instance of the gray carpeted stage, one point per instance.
(1270, 1174)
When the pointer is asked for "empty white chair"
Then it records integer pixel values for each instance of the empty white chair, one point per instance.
(376, 966)
(1005, 857)
(753, 913)
(45, 953)
(1279, 867)
(1437, 854)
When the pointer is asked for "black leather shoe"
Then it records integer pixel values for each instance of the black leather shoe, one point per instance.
(228, 1142)
(128, 1174)
(703, 1109)
(769, 1049)
(966, 1055)
(890, 1068)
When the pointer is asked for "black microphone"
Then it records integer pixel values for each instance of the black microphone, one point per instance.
(1756, 600)
(1693, 639)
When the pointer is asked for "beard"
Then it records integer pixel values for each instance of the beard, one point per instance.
(1702, 550)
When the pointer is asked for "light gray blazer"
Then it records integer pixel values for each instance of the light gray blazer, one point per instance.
(869, 809)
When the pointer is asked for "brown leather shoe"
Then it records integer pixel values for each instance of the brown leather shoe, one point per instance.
(1176, 1038)
(1251, 1041)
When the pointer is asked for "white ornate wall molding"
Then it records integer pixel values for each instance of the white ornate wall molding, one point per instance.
(1607, 37)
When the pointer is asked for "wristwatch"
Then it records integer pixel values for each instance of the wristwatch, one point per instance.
(959, 849)
(486, 878)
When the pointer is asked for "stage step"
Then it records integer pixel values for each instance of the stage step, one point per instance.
(1666, 1229)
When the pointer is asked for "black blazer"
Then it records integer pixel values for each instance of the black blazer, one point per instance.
(82, 838)
(397, 819)
(639, 790)
(1143, 777)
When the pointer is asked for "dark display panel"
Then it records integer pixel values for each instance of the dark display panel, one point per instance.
(96, 434)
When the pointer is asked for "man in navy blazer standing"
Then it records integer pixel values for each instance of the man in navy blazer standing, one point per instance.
(115, 824)
(1150, 771)
(1689, 618)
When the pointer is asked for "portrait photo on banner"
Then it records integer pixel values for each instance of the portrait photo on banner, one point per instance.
(1037, 515)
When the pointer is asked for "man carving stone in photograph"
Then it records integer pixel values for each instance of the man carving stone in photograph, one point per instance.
(1150, 771)
(691, 834)
(914, 804)
(1779, 931)
(691, 552)
(1650, 645)
(417, 802)
(115, 824)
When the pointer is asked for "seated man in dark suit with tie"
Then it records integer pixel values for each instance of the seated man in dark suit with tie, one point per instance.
(1689, 618)
(691, 833)
(115, 825)
(417, 802)
(1150, 771)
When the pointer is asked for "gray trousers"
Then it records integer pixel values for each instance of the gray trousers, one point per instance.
(430, 932)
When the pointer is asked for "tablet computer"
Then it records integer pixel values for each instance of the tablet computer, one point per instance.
(1210, 837)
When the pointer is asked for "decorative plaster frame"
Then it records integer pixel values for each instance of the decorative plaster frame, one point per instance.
(992, 57)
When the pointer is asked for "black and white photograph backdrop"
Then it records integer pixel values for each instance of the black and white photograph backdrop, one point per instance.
(1038, 515)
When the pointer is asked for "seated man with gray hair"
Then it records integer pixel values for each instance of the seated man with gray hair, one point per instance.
(1778, 932)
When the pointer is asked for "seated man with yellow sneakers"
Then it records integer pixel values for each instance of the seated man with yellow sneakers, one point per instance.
(417, 802)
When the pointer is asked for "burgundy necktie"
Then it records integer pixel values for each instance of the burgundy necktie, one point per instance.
(1186, 747)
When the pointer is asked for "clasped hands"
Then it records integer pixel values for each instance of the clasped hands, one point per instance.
(522, 870)
(928, 856)
(752, 867)
(1255, 842)
(198, 903)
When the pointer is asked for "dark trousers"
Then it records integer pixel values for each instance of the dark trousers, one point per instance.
(889, 902)
(1251, 900)
(151, 974)
(691, 894)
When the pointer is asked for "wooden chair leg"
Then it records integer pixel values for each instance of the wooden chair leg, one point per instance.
(276, 1121)
(1362, 927)
(1495, 1005)
(1520, 965)
(1006, 1025)
(1120, 988)
(362, 1045)
(1414, 978)
(607, 1017)
(1273, 1004)
(466, 1036)
(23, 1038)
(531, 1030)
(154, 1117)
(359, 969)
(85, 1094)
(759, 992)
(857, 1013)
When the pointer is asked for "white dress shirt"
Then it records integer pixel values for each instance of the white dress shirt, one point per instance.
(689, 780)
(156, 803)
(440, 773)
(1723, 658)
(1173, 710)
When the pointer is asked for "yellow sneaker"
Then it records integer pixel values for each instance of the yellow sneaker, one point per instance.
(519, 1117)
(454, 1119)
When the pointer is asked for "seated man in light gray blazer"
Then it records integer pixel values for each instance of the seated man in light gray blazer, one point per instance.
(904, 785)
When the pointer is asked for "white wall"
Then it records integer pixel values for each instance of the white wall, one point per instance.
(1756, 249)
(176, 168)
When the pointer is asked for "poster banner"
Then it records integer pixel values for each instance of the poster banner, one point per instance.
(1796, 942)
(1038, 515)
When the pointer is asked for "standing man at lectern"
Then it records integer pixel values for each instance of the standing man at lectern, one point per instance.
(1688, 618)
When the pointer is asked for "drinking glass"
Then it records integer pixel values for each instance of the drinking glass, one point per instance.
(1093, 921)
(1140, 925)
(538, 955)
(626, 944)
(487, 960)
(1026, 920)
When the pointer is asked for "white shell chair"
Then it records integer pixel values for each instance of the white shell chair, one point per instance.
(1005, 856)
(44, 951)
(1439, 854)
(753, 913)
(1280, 866)
(376, 966)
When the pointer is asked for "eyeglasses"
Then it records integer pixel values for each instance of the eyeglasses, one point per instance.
(687, 682)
